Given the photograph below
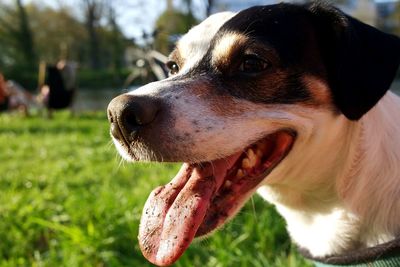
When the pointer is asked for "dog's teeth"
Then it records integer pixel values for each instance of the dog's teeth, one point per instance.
(246, 163)
(240, 173)
(252, 159)
(251, 155)
(228, 183)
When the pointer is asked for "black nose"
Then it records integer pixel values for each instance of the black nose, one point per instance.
(127, 114)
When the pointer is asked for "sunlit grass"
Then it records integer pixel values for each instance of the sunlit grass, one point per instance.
(65, 200)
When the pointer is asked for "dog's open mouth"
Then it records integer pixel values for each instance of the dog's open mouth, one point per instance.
(202, 196)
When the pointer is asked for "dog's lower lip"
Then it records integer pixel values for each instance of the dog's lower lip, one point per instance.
(197, 200)
(222, 204)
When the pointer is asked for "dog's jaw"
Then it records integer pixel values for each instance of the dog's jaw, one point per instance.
(307, 196)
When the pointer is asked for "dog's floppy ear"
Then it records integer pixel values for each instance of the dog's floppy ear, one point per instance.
(361, 61)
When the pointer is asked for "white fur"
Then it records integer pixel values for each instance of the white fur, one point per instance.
(342, 192)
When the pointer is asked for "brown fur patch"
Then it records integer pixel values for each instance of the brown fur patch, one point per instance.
(319, 91)
(177, 57)
(226, 47)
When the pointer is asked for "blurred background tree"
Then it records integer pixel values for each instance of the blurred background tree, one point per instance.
(16, 36)
(93, 10)
(209, 6)
(171, 24)
(32, 32)
(395, 17)
(58, 35)
(115, 39)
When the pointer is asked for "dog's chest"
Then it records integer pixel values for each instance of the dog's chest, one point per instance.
(322, 232)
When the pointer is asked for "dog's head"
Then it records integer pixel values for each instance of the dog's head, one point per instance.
(251, 97)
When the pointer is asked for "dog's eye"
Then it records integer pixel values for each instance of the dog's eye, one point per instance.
(173, 67)
(252, 64)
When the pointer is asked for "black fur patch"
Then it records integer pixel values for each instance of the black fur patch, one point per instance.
(361, 60)
(287, 35)
(357, 61)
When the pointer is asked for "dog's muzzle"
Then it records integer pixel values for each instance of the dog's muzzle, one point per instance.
(129, 114)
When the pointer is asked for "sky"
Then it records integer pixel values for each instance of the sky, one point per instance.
(136, 16)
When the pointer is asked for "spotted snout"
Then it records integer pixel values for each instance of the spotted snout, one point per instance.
(128, 115)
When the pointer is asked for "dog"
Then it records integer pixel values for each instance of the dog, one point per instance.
(288, 100)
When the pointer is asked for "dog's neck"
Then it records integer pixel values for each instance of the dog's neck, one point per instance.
(370, 187)
(351, 197)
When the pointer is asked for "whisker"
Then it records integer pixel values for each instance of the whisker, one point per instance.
(110, 144)
(121, 163)
(254, 209)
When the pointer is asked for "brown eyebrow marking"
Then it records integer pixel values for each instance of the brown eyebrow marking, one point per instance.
(176, 57)
(226, 47)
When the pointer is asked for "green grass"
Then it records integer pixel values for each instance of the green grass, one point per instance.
(66, 200)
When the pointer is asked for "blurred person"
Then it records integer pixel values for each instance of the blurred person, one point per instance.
(59, 87)
(43, 96)
(4, 94)
(20, 98)
(68, 72)
(14, 97)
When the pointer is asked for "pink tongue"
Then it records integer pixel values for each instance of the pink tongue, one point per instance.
(174, 212)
